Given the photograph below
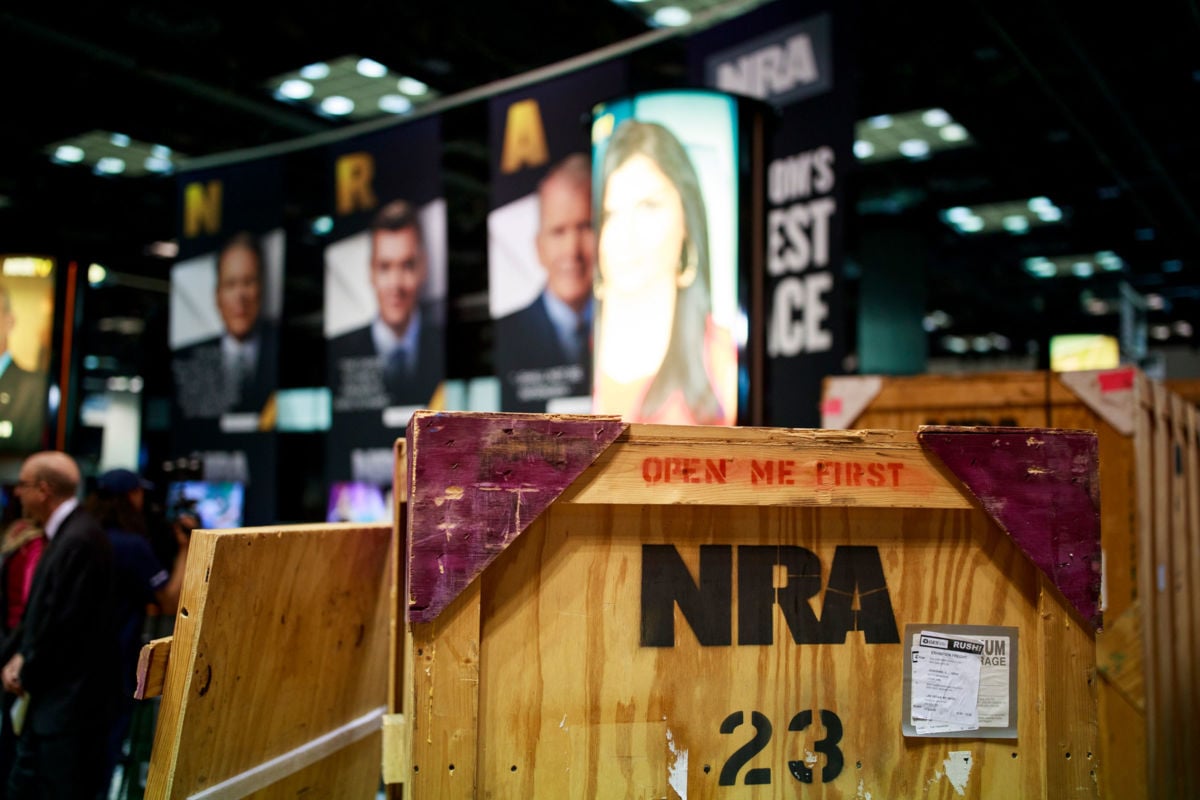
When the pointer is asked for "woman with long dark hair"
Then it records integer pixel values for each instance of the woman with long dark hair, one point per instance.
(660, 357)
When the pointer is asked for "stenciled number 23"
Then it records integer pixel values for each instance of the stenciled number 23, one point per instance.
(762, 736)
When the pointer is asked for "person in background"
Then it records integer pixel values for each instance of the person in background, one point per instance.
(555, 329)
(61, 661)
(119, 505)
(660, 356)
(20, 550)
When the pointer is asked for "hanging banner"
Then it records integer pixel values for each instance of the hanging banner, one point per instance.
(26, 321)
(795, 56)
(541, 248)
(385, 294)
(225, 305)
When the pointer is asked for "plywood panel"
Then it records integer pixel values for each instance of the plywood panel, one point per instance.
(281, 637)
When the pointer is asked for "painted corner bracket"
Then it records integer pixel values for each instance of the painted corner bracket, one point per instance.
(476, 481)
(1042, 488)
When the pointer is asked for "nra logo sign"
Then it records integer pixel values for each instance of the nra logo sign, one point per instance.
(785, 66)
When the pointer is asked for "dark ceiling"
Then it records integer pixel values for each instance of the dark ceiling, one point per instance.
(1081, 104)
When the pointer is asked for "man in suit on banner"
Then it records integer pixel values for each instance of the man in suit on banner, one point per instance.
(543, 350)
(244, 355)
(62, 660)
(22, 393)
(398, 359)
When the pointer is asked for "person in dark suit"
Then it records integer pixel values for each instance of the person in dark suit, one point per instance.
(22, 393)
(63, 657)
(399, 358)
(243, 357)
(543, 350)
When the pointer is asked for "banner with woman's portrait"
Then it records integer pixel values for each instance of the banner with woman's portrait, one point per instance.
(26, 323)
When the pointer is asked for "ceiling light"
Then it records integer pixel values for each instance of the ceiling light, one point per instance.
(1109, 261)
(411, 86)
(119, 140)
(1040, 267)
(337, 105)
(999, 341)
(1015, 223)
(164, 249)
(1183, 328)
(880, 122)
(957, 214)
(110, 165)
(370, 68)
(1052, 214)
(1083, 269)
(69, 153)
(971, 225)
(914, 148)
(1095, 306)
(672, 16)
(315, 72)
(160, 151)
(953, 132)
(322, 225)
(955, 344)
(296, 89)
(1172, 265)
(1160, 332)
(96, 274)
(1037, 204)
(936, 117)
(863, 149)
(395, 104)
(981, 344)
(1155, 302)
(159, 165)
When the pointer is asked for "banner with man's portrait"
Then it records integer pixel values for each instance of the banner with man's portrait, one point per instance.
(385, 294)
(541, 249)
(226, 302)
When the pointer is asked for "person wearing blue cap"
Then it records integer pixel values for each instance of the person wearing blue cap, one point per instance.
(119, 504)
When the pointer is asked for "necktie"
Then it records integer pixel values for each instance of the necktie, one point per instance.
(396, 373)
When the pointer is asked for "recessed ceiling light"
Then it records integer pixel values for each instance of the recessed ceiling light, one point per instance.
(936, 117)
(1083, 269)
(315, 72)
(337, 105)
(1015, 223)
(958, 214)
(296, 89)
(160, 151)
(1183, 328)
(863, 149)
(1155, 302)
(96, 274)
(672, 16)
(411, 86)
(1052, 214)
(156, 164)
(322, 225)
(1160, 332)
(370, 68)
(880, 121)
(971, 225)
(110, 165)
(914, 148)
(69, 153)
(119, 140)
(953, 133)
(395, 104)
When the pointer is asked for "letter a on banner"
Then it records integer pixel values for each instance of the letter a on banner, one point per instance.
(524, 138)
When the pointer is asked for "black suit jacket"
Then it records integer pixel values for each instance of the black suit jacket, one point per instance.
(527, 340)
(22, 403)
(354, 354)
(67, 635)
(200, 373)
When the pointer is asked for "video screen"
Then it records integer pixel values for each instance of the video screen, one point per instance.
(670, 323)
(216, 504)
(26, 320)
(358, 501)
(1081, 351)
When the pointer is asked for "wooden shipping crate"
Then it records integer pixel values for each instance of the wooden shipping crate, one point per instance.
(275, 680)
(1148, 656)
(597, 609)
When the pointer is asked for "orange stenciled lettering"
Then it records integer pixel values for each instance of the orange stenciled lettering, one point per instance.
(858, 473)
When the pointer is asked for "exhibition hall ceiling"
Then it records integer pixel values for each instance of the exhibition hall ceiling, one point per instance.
(1087, 112)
